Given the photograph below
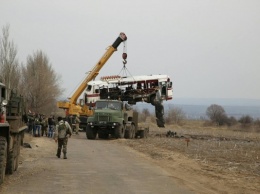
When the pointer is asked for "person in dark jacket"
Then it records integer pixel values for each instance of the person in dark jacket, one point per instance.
(51, 125)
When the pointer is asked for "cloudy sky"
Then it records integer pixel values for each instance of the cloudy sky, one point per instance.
(209, 48)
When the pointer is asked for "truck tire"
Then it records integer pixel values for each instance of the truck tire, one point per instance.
(10, 167)
(119, 131)
(91, 133)
(143, 133)
(18, 152)
(128, 132)
(159, 113)
(3, 158)
(133, 131)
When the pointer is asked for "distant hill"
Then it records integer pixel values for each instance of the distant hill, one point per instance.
(196, 108)
(219, 101)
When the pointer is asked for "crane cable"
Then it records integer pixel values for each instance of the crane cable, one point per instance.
(124, 55)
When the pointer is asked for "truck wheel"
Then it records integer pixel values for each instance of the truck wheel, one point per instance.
(119, 131)
(133, 131)
(159, 112)
(10, 167)
(91, 133)
(21, 136)
(142, 134)
(3, 156)
(128, 132)
(18, 153)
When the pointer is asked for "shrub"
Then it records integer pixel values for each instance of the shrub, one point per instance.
(246, 121)
(174, 116)
(217, 114)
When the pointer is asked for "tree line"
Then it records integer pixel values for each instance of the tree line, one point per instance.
(216, 115)
(36, 80)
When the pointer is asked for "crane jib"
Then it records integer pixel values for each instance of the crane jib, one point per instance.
(117, 42)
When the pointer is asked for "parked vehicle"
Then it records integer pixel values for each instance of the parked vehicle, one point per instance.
(114, 118)
(12, 130)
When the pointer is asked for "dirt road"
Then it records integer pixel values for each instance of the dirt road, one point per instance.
(100, 166)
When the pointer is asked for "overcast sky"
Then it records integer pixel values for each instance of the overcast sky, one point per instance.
(209, 48)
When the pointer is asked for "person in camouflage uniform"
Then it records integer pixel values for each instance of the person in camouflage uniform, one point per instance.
(77, 121)
(62, 131)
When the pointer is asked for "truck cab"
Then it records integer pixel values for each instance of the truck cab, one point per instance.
(108, 119)
(116, 119)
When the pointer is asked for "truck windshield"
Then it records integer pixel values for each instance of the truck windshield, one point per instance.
(108, 105)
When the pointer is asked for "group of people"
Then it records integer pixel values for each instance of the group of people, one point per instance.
(60, 130)
(40, 125)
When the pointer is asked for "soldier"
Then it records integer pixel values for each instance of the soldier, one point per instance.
(77, 121)
(30, 123)
(62, 130)
(44, 125)
(51, 123)
(38, 126)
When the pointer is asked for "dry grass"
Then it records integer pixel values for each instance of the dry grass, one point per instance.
(228, 150)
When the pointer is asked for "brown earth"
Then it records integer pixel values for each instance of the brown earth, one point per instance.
(204, 159)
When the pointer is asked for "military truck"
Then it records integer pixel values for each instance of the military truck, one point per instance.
(12, 130)
(114, 118)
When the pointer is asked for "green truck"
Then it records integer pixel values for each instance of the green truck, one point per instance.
(116, 119)
(12, 130)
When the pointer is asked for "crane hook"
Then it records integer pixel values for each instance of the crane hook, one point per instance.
(124, 56)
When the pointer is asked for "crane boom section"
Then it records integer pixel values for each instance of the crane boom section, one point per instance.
(92, 74)
(72, 107)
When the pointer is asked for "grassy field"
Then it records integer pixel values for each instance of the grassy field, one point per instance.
(234, 152)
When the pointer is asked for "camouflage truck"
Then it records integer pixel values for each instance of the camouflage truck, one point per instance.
(114, 118)
(12, 130)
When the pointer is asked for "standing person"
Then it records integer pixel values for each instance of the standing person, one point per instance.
(62, 130)
(77, 121)
(30, 123)
(37, 128)
(44, 125)
(51, 124)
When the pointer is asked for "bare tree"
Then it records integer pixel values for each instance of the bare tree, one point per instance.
(9, 66)
(41, 84)
(175, 115)
(217, 114)
(246, 120)
(145, 113)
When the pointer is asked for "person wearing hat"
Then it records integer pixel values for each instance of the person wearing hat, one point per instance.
(77, 121)
(62, 131)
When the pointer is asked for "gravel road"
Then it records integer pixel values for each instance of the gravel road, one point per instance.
(99, 166)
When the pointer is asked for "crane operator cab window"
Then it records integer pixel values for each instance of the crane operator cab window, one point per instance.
(96, 89)
(89, 88)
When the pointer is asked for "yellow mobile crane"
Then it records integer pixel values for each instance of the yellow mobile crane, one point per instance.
(71, 106)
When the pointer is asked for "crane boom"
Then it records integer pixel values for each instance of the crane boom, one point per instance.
(71, 106)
